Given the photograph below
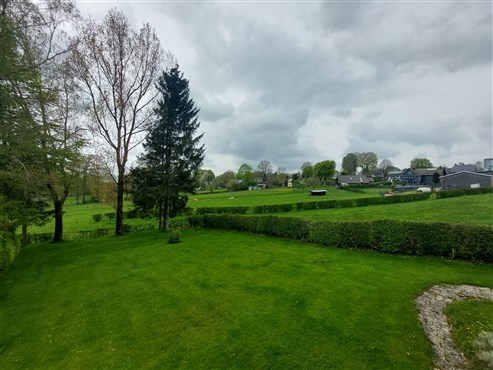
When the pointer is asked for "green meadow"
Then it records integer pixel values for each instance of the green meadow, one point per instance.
(273, 196)
(228, 300)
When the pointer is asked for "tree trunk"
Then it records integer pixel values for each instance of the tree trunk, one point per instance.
(161, 218)
(58, 235)
(119, 205)
(84, 177)
(25, 236)
(166, 217)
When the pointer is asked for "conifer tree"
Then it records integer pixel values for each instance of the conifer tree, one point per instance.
(173, 154)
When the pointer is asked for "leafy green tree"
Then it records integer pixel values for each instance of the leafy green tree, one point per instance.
(307, 170)
(206, 179)
(324, 170)
(368, 162)
(173, 153)
(246, 175)
(280, 177)
(350, 163)
(43, 124)
(224, 179)
(421, 163)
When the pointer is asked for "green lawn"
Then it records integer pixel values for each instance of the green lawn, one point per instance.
(475, 209)
(273, 196)
(217, 300)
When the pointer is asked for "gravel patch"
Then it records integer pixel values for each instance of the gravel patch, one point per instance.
(431, 305)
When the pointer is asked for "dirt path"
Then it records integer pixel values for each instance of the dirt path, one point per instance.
(431, 305)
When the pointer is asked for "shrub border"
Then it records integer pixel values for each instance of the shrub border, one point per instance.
(469, 242)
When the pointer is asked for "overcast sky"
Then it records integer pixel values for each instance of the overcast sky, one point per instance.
(292, 82)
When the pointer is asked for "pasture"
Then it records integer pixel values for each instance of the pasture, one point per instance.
(217, 300)
(273, 196)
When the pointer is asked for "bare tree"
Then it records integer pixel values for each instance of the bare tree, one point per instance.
(264, 171)
(117, 68)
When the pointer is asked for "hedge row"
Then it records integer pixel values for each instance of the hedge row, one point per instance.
(221, 210)
(341, 203)
(459, 192)
(470, 242)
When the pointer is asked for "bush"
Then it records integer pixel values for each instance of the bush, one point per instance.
(9, 245)
(133, 213)
(459, 192)
(110, 216)
(221, 210)
(174, 237)
(272, 208)
(98, 217)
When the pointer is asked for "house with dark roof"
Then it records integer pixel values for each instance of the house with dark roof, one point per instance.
(352, 179)
(426, 175)
(409, 177)
(461, 167)
(420, 176)
(466, 180)
(394, 176)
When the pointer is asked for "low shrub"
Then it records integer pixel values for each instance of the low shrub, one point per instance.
(9, 244)
(174, 237)
(98, 217)
(110, 216)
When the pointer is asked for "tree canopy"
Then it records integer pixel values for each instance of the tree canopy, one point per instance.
(421, 163)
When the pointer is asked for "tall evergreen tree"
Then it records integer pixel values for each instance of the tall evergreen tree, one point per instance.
(173, 155)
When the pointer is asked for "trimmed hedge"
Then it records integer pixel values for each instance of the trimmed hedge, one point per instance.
(221, 210)
(442, 239)
(341, 203)
(460, 192)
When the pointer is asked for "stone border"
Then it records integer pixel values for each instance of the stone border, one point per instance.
(431, 305)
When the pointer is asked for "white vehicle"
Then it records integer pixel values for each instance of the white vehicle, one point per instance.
(424, 189)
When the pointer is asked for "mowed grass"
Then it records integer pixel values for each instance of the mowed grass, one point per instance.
(78, 217)
(473, 209)
(273, 196)
(220, 300)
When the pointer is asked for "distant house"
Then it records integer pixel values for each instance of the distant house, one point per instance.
(353, 179)
(394, 176)
(426, 175)
(463, 168)
(420, 176)
(409, 177)
(466, 180)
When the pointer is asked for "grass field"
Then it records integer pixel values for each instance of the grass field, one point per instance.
(474, 209)
(217, 300)
(272, 196)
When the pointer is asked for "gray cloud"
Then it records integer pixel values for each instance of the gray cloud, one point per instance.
(305, 82)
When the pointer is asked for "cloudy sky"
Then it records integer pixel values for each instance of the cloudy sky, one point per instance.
(292, 82)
